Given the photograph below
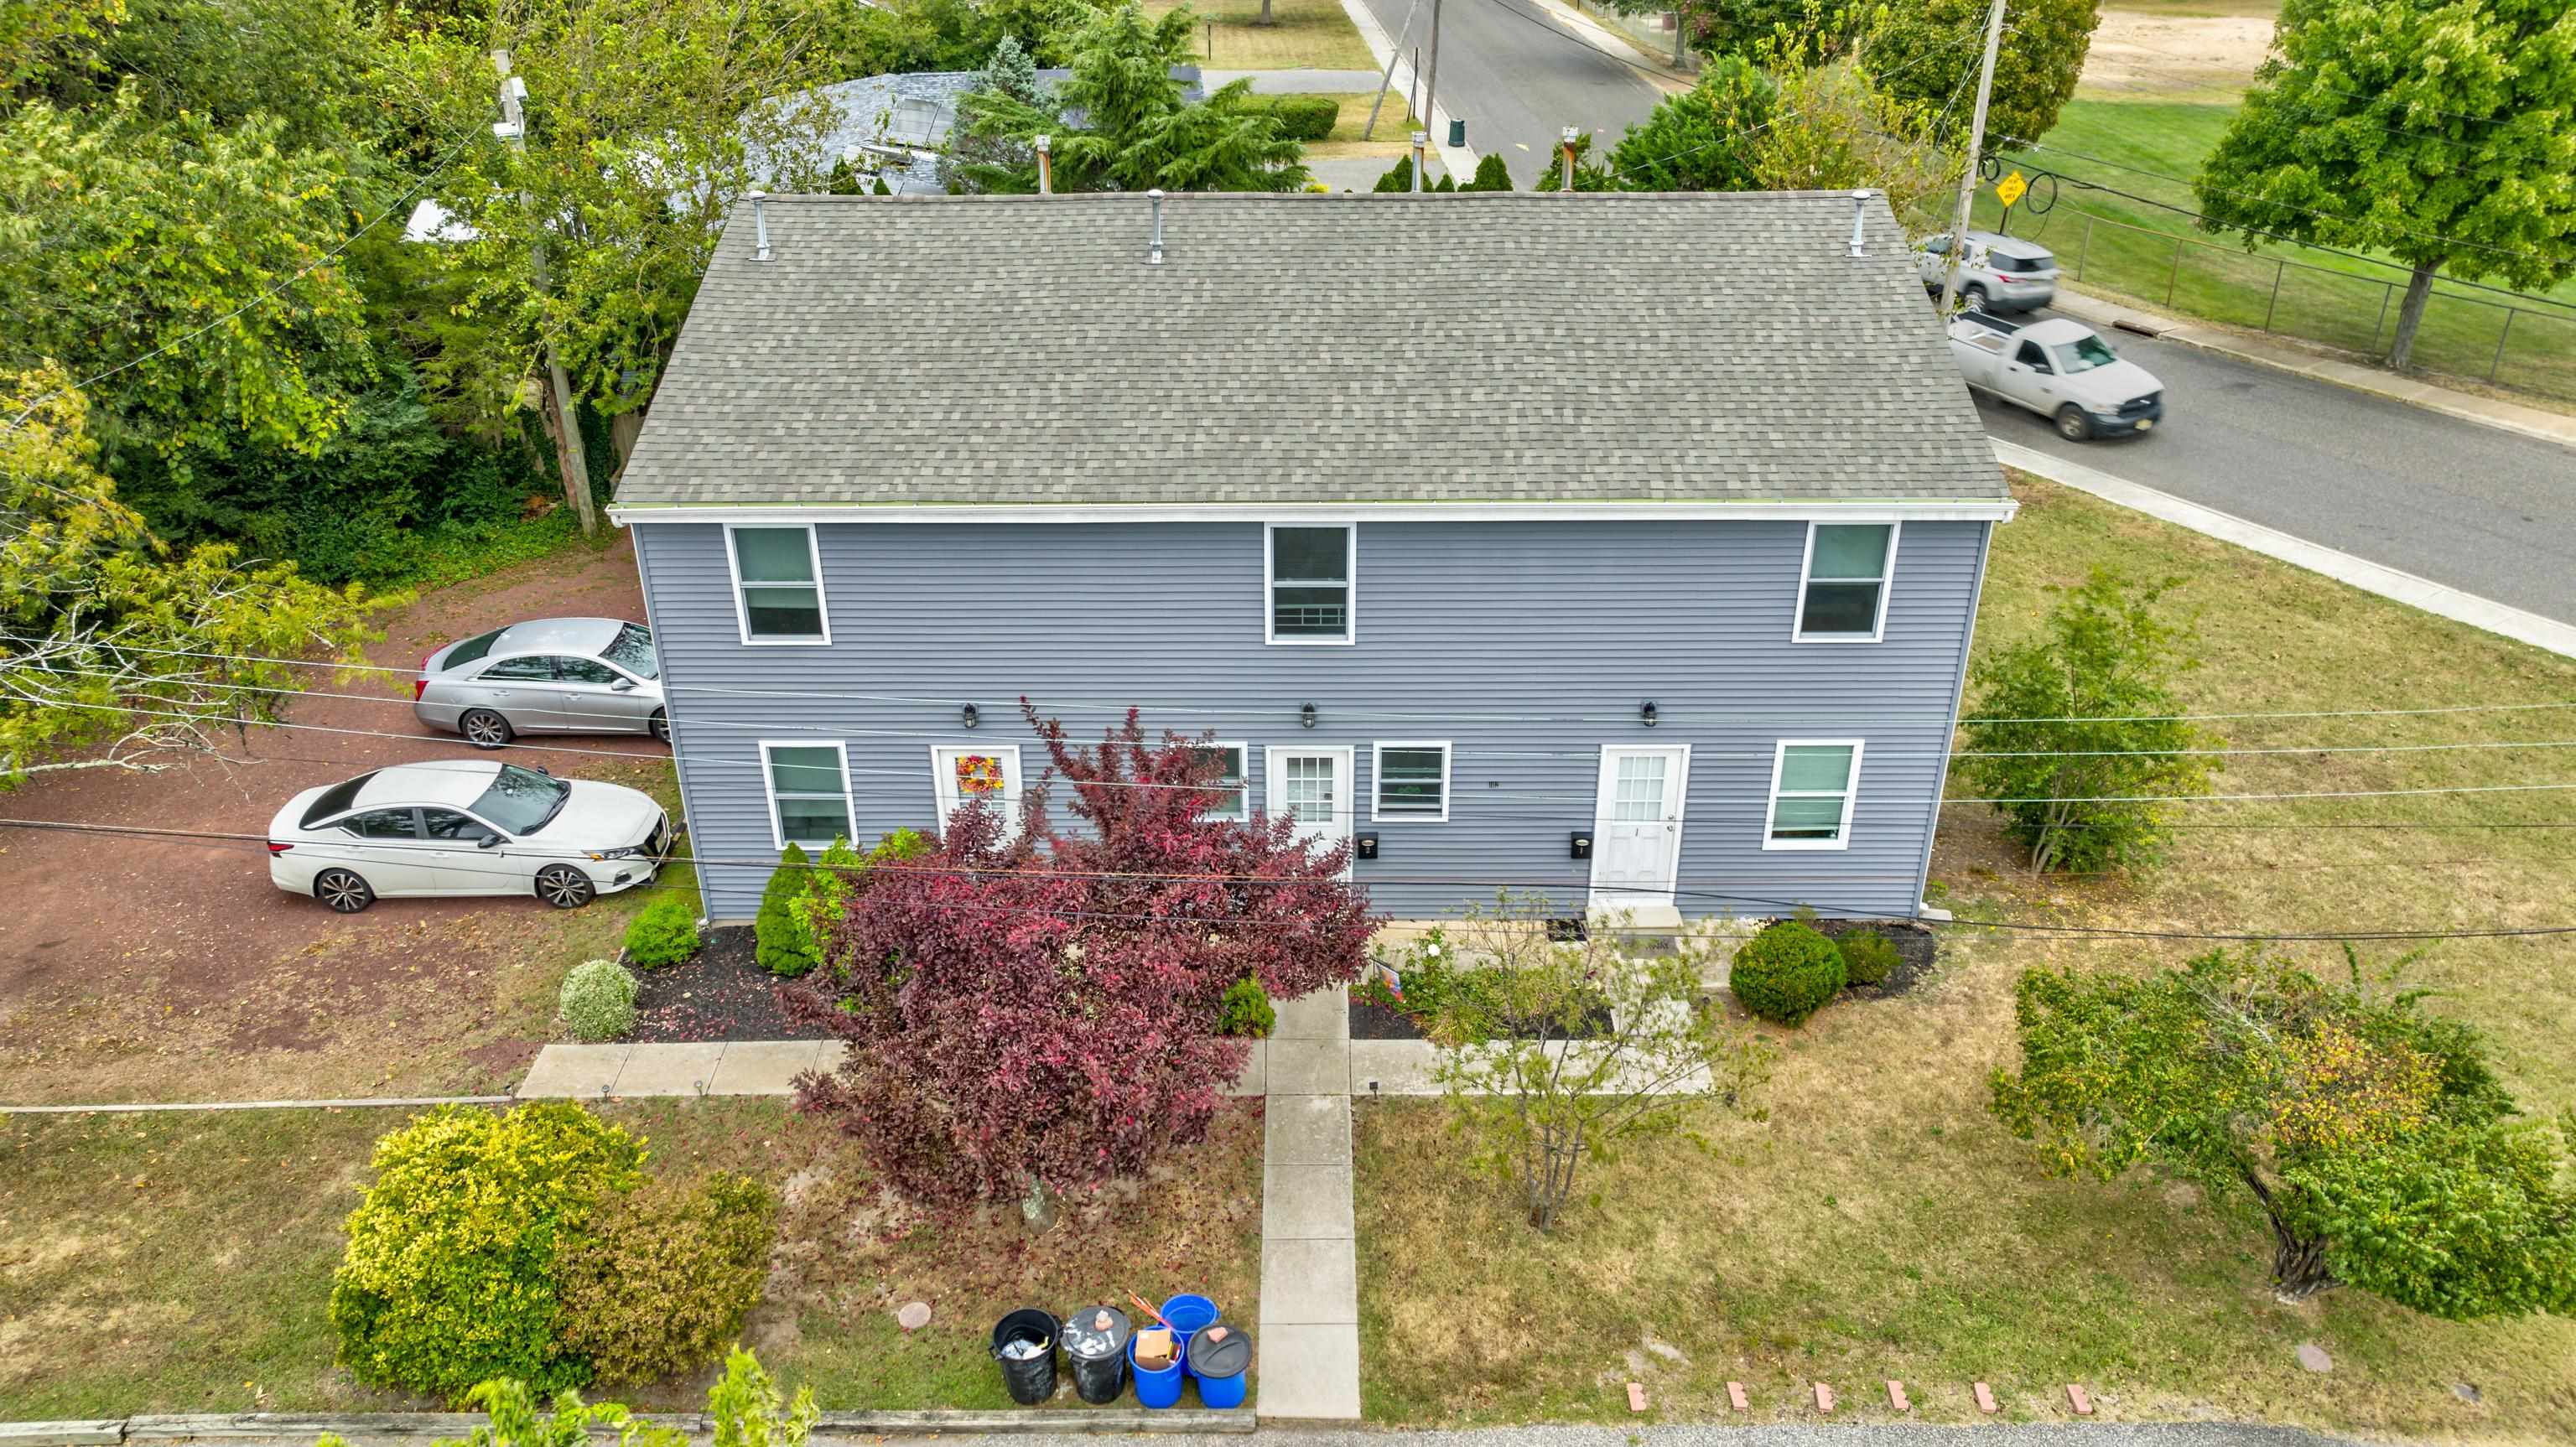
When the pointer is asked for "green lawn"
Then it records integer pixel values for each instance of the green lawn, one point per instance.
(182, 1263)
(1229, 35)
(1880, 1224)
(2331, 300)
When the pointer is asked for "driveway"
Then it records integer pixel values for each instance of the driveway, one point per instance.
(141, 968)
(1518, 77)
(2488, 512)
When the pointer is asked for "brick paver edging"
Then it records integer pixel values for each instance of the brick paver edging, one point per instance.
(303, 1428)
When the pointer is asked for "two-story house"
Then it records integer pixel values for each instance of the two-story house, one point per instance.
(1625, 547)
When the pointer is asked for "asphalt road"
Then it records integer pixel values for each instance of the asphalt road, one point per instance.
(2488, 512)
(1518, 78)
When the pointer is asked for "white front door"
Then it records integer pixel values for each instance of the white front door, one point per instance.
(962, 774)
(1313, 787)
(1637, 825)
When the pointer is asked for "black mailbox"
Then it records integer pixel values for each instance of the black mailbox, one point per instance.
(1364, 846)
(1581, 844)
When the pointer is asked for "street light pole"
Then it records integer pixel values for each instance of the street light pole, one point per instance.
(1431, 82)
(569, 454)
(1968, 174)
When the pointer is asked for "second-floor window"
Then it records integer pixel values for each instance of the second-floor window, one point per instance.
(1842, 593)
(778, 584)
(1310, 583)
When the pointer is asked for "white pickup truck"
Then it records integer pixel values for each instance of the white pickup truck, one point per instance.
(2060, 369)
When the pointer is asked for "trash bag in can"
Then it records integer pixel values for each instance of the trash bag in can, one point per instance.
(1219, 1356)
(1095, 1341)
(1024, 1344)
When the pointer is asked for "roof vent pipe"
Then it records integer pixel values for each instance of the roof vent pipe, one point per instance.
(1860, 208)
(1155, 256)
(759, 227)
(1046, 166)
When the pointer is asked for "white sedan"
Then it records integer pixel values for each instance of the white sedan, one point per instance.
(466, 828)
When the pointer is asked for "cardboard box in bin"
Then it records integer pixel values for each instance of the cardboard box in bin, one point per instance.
(1154, 1348)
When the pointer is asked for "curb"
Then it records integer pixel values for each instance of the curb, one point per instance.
(304, 1427)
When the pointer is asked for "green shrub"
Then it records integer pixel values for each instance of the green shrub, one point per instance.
(450, 1276)
(783, 943)
(1398, 178)
(598, 1000)
(1491, 175)
(1868, 957)
(1300, 117)
(665, 932)
(661, 1281)
(1247, 1010)
(1787, 973)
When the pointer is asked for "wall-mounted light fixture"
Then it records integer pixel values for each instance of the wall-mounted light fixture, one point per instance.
(1646, 713)
(1306, 715)
(970, 717)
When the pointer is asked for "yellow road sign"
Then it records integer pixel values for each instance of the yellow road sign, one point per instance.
(2010, 188)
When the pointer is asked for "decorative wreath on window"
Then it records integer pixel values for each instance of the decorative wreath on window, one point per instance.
(978, 774)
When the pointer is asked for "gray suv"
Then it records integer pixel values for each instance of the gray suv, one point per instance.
(1996, 273)
(552, 675)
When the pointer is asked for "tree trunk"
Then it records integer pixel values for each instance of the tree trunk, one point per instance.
(569, 458)
(1681, 48)
(1265, 12)
(2410, 314)
(2299, 1266)
(1038, 1209)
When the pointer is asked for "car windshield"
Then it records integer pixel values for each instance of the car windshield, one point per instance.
(633, 651)
(2083, 355)
(522, 801)
(471, 649)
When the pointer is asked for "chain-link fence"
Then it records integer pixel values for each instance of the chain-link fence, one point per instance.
(2527, 343)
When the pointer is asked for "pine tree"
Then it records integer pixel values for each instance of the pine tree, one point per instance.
(1491, 175)
(782, 942)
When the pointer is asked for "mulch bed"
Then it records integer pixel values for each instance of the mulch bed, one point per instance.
(722, 994)
(1371, 1021)
(1915, 948)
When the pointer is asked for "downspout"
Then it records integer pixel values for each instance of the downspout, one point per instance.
(1950, 735)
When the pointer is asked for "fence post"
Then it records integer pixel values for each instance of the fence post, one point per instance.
(2384, 291)
(2498, 363)
(2274, 304)
(2082, 247)
(2174, 275)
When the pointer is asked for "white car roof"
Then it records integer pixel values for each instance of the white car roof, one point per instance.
(2051, 331)
(2012, 246)
(455, 784)
(583, 636)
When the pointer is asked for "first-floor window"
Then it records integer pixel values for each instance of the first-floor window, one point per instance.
(962, 775)
(809, 792)
(1813, 783)
(1234, 793)
(1412, 783)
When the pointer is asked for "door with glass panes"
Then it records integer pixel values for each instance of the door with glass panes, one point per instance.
(1312, 785)
(1637, 825)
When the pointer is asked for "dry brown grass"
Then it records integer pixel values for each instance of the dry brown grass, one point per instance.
(1302, 33)
(1879, 1224)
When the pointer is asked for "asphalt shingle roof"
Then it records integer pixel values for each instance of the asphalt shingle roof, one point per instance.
(1310, 349)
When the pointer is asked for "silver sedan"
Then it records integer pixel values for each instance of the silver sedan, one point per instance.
(550, 675)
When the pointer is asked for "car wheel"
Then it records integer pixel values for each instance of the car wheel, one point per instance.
(343, 890)
(1976, 296)
(2071, 424)
(661, 725)
(484, 729)
(564, 887)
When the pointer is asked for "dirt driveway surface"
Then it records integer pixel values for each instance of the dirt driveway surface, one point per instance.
(140, 969)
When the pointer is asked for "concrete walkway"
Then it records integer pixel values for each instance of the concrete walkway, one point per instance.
(2288, 357)
(1309, 1338)
(741, 1067)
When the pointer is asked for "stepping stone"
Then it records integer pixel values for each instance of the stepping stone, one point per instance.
(2314, 1358)
(913, 1315)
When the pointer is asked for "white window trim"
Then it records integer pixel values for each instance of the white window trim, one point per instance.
(1886, 589)
(1243, 796)
(1377, 782)
(769, 788)
(1851, 795)
(742, 612)
(943, 783)
(1270, 584)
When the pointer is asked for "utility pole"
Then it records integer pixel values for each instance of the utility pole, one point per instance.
(569, 455)
(1431, 83)
(1968, 175)
(1388, 81)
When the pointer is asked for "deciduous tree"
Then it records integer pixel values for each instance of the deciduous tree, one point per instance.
(2443, 134)
(1929, 53)
(1696, 141)
(2373, 1136)
(1033, 1010)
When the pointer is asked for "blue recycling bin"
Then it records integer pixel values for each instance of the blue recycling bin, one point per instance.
(1158, 1389)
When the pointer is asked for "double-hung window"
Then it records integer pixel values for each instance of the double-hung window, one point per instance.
(1813, 783)
(809, 792)
(1233, 793)
(1310, 591)
(1842, 589)
(777, 584)
(1412, 783)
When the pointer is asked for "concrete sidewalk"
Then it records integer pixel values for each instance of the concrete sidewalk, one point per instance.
(2285, 356)
(1309, 1338)
(717, 1067)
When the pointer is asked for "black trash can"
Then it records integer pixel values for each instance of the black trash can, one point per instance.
(1024, 1344)
(1095, 1341)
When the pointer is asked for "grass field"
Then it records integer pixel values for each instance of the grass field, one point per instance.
(183, 1263)
(1313, 34)
(1879, 1223)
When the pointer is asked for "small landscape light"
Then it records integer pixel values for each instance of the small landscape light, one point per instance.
(969, 716)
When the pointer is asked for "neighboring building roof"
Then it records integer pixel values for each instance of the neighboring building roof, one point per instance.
(1311, 349)
(901, 122)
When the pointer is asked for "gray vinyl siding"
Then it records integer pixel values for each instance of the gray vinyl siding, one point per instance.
(1471, 628)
